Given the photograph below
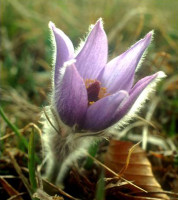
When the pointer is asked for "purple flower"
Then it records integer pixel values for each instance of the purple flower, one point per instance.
(91, 93)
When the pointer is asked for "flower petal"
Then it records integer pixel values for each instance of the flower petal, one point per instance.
(99, 114)
(71, 97)
(119, 72)
(138, 94)
(93, 56)
(64, 49)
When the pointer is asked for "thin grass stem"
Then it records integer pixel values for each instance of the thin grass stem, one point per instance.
(14, 128)
(31, 161)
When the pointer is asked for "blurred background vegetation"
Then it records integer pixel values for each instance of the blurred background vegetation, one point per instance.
(26, 55)
(26, 51)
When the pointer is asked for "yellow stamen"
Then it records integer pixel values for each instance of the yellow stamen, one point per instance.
(91, 102)
(88, 82)
(102, 92)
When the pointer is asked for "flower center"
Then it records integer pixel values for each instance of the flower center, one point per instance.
(94, 90)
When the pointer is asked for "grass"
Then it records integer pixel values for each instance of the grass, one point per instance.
(14, 128)
(25, 67)
(31, 161)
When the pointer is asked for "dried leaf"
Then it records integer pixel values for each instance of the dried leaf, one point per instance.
(138, 168)
(9, 189)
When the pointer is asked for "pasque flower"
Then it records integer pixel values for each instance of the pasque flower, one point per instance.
(89, 93)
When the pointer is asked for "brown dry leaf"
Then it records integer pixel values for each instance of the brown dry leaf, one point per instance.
(10, 190)
(138, 170)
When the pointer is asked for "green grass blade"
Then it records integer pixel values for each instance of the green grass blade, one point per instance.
(92, 151)
(100, 188)
(14, 128)
(31, 161)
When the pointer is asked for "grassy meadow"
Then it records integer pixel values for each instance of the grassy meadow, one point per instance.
(25, 78)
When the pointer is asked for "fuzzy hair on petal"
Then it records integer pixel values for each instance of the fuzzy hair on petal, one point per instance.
(136, 107)
(61, 72)
(145, 52)
(82, 41)
(54, 51)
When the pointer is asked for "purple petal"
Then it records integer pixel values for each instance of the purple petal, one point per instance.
(100, 113)
(64, 49)
(71, 97)
(93, 56)
(119, 72)
(135, 93)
